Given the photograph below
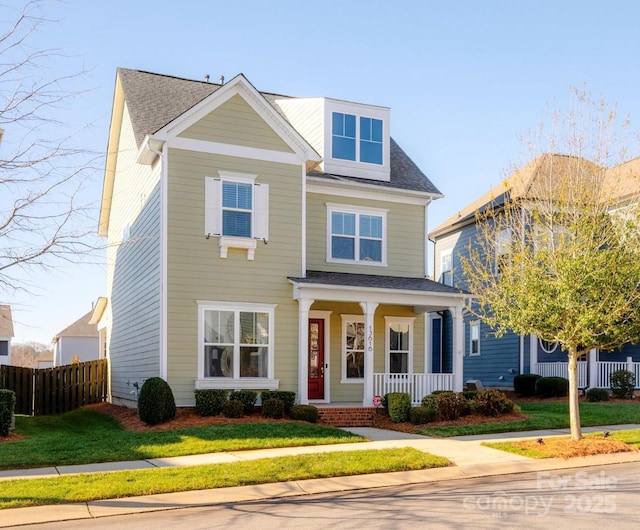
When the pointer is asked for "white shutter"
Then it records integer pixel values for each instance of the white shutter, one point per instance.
(261, 212)
(212, 216)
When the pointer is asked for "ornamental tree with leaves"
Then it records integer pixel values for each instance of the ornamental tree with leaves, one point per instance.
(558, 245)
(42, 215)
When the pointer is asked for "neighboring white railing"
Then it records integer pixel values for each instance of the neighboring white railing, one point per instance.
(416, 385)
(605, 369)
(561, 369)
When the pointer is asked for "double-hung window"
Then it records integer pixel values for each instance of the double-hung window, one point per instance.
(446, 267)
(399, 345)
(503, 246)
(352, 348)
(474, 337)
(356, 235)
(237, 211)
(356, 138)
(237, 344)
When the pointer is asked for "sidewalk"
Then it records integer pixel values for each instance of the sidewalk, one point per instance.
(471, 459)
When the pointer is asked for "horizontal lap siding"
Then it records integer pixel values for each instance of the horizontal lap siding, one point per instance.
(236, 123)
(307, 116)
(196, 271)
(405, 237)
(133, 272)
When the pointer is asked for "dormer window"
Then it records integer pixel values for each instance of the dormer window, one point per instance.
(346, 128)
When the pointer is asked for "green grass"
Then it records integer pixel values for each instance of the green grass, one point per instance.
(85, 436)
(88, 487)
(548, 415)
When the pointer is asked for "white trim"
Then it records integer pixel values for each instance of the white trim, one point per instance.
(164, 253)
(343, 348)
(227, 242)
(443, 254)
(237, 177)
(358, 211)
(326, 316)
(388, 321)
(474, 324)
(245, 383)
(357, 190)
(545, 350)
(303, 224)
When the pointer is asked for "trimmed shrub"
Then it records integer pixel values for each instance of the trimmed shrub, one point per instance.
(525, 384)
(7, 408)
(399, 406)
(623, 384)
(248, 399)
(450, 405)
(288, 398)
(597, 394)
(155, 402)
(233, 408)
(469, 394)
(210, 401)
(421, 415)
(548, 387)
(385, 402)
(491, 403)
(273, 408)
(304, 412)
(429, 402)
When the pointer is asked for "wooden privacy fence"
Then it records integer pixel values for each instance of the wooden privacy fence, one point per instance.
(54, 390)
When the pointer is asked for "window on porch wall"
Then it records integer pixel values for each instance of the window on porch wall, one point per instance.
(352, 348)
(399, 345)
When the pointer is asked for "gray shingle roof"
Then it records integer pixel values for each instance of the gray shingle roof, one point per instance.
(374, 281)
(80, 328)
(154, 100)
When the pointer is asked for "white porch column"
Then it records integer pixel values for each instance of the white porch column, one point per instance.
(533, 354)
(369, 309)
(592, 366)
(304, 304)
(458, 348)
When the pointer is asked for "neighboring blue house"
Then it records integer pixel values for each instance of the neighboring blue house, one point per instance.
(496, 361)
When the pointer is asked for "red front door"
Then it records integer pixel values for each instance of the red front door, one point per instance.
(316, 358)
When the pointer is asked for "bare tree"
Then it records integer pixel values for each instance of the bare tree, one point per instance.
(558, 251)
(42, 173)
(29, 354)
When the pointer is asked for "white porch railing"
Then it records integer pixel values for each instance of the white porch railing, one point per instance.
(561, 369)
(605, 369)
(416, 385)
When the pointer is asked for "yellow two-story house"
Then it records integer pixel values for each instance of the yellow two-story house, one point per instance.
(260, 241)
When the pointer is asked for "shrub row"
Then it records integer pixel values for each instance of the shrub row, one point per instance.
(275, 403)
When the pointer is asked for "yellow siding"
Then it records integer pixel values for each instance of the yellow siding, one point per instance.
(196, 271)
(405, 237)
(235, 122)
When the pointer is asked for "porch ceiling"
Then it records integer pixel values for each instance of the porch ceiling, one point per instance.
(425, 295)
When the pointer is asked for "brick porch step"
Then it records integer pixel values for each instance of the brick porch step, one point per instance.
(347, 416)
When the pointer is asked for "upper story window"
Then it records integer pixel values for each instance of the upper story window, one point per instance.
(503, 244)
(236, 210)
(356, 138)
(474, 337)
(446, 268)
(356, 235)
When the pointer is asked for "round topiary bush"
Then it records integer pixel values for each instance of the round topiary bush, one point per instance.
(399, 406)
(421, 415)
(597, 394)
(273, 408)
(525, 384)
(233, 408)
(304, 413)
(248, 399)
(623, 384)
(155, 402)
(548, 387)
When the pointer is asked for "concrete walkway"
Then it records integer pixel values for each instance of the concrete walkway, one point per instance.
(471, 459)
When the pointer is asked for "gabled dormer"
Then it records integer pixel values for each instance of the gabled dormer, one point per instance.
(352, 138)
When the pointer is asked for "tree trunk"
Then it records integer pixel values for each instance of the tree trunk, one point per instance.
(574, 406)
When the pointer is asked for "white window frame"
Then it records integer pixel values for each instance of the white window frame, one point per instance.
(214, 210)
(474, 325)
(503, 242)
(345, 320)
(554, 345)
(357, 211)
(388, 322)
(446, 254)
(236, 382)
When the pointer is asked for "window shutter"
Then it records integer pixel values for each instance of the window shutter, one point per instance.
(212, 206)
(261, 212)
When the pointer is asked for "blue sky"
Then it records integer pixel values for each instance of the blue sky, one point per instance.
(464, 80)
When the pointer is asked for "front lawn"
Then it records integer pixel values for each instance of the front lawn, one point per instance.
(90, 487)
(85, 436)
(548, 415)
